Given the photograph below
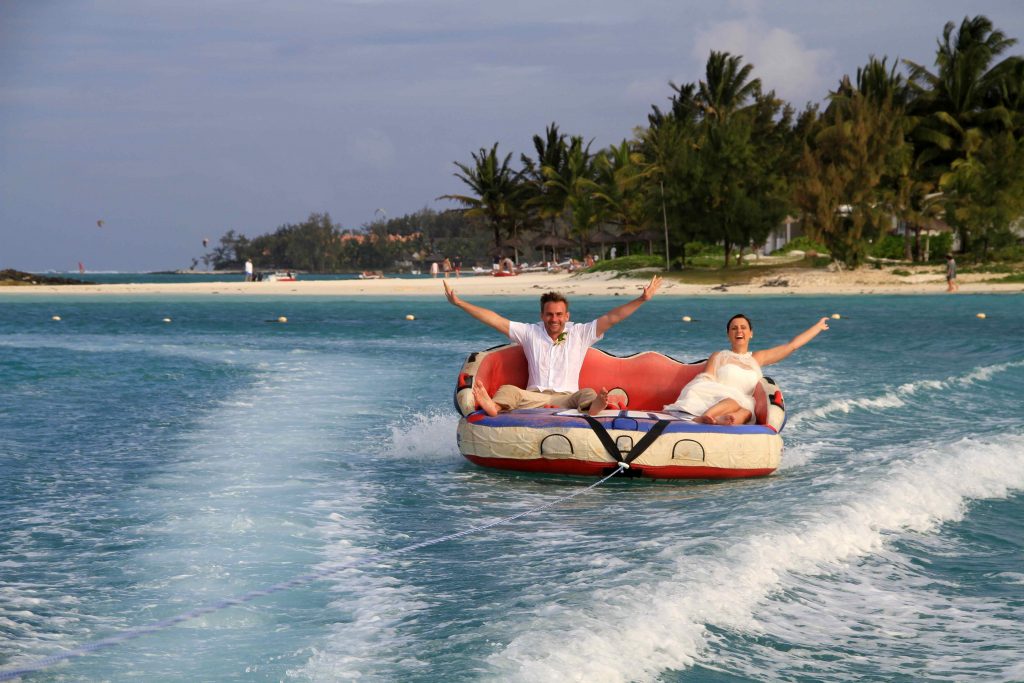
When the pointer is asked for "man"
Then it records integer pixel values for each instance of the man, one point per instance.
(555, 349)
(951, 285)
(248, 270)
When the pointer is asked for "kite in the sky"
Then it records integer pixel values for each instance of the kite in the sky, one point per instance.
(99, 224)
(206, 240)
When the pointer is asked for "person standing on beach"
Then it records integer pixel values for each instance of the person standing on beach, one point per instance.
(951, 285)
(248, 270)
(446, 267)
(554, 348)
(434, 269)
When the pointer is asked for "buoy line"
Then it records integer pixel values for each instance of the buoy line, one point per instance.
(323, 573)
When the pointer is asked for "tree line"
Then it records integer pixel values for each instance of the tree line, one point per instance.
(725, 162)
(319, 245)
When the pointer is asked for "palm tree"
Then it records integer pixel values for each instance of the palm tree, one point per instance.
(546, 203)
(967, 90)
(904, 189)
(551, 151)
(992, 177)
(879, 83)
(620, 174)
(684, 106)
(498, 190)
(670, 159)
(571, 189)
(725, 89)
(966, 100)
(730, 103)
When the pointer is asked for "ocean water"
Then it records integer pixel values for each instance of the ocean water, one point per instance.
(150, 468)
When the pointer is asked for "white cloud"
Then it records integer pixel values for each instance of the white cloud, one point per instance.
(781, 60)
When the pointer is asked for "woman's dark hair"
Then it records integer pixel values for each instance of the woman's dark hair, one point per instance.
(738, 315)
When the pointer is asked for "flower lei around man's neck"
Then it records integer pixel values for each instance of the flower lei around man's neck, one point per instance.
(561, 338)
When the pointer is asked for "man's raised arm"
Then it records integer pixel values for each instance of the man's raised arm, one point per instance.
(486, 316)
(617, 315)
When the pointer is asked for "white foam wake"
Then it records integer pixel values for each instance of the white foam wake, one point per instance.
(638, 630)
(895, 398)
(370, 606)
(871, 611)
(425, 436)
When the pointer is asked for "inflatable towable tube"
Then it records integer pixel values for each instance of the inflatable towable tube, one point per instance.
(634, 429)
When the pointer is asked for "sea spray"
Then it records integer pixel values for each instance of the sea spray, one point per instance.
(662, 624)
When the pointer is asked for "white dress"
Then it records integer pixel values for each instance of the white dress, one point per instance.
(729, 375)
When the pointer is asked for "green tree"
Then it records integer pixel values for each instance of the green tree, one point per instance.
(314, 244)
(858, 143)
(964, 101)
(670, 161)
(230, 251)
(552, 153)
(742, 154)
(905, 190)
(573, 188)
(992, 177)
(725, 89)
(620, 178)
(498, 191)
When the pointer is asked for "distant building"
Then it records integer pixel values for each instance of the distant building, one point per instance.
(360, 237)
(782, 234)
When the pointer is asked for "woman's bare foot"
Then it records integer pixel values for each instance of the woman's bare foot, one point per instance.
(704, 419)
(487, 404)
(726, 419)
(599, 403)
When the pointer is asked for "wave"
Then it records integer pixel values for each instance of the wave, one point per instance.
(870, 612)
(895, 398)
(664, 624)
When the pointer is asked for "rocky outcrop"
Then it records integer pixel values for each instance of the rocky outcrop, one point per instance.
(16, 277)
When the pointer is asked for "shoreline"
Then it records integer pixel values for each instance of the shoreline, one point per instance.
(795, 282)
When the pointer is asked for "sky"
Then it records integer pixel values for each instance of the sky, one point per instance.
(172, 122)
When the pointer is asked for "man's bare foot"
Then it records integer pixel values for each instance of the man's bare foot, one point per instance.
(599, 403)
(704, 419)
(487, 404)
(726, 419)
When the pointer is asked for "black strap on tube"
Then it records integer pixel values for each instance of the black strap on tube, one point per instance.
(637, 450)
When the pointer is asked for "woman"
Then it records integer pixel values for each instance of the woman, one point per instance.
(724, 392)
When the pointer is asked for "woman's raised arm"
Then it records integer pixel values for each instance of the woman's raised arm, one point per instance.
(774, 355)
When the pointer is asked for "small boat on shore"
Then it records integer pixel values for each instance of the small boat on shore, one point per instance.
(634, 429)
(280, 276)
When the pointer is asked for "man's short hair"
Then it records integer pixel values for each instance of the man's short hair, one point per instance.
(549, 297)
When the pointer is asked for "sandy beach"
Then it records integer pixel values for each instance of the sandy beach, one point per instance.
(922, 280)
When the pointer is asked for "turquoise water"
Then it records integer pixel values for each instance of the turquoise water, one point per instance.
(147, 468)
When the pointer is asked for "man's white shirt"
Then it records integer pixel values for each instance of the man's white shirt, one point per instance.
(554, 366)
